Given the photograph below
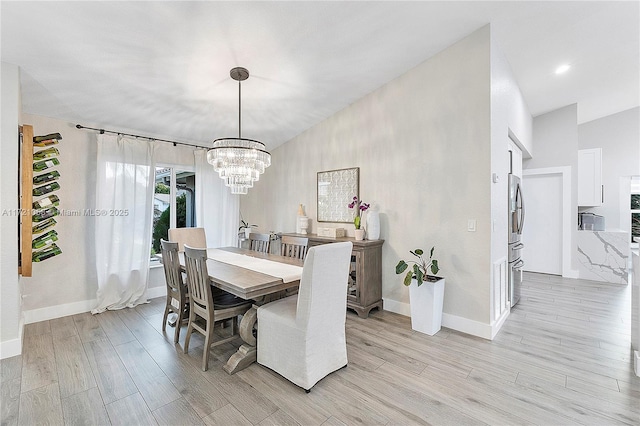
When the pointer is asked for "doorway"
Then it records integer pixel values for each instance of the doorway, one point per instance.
(547, 228)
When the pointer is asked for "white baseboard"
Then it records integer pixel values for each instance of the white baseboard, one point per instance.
(467, 326)
(397, 307)
(154, 292)
(636, 363)
(12, 347)
(454, 322)
(497, 324)
(573, 273)
(59, 311)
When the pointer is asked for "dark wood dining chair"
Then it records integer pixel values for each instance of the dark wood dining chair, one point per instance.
(295, 247)
(176, 288)
(259, 242)
(205, 309)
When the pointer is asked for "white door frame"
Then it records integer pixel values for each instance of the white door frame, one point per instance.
(565, 175)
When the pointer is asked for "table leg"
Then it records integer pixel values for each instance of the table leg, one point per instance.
(246, 354)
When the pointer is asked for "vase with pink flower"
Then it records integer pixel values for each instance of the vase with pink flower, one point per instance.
(357, 220)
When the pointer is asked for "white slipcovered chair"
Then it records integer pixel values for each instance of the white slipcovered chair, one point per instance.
(303, 337)
(193, 237)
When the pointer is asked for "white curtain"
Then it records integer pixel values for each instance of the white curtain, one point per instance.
(124, 216)
(217, 210)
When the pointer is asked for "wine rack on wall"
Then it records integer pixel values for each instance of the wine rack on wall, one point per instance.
(38, 199)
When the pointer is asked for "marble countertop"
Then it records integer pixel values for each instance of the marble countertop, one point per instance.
(608, 230)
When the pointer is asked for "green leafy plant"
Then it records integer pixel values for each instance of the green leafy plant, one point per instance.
(244, 224)
(420, 268)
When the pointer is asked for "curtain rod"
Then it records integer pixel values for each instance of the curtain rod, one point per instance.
(103, 131)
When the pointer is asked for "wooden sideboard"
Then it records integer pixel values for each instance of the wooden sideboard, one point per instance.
(365, 277)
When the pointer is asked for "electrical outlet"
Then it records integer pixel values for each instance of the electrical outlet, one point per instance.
(471, 225)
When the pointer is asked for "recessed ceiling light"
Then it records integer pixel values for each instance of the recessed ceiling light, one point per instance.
(563, 68)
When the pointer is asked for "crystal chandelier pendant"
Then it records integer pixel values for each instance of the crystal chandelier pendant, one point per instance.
(239, 161)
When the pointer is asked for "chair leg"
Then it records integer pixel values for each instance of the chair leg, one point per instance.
(206, 348)
(176, 335)
(166, 314)
(234, 325)
(192, 318)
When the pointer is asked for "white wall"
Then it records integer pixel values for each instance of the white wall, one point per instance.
(510, 116)
(555, 137)
(66, 284)
(10, 312)
(423, 145)
(69, 278)
(619, 137)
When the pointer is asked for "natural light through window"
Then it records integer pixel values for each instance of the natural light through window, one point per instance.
(174, 203)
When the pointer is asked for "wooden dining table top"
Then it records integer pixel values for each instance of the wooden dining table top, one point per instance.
(246, 283)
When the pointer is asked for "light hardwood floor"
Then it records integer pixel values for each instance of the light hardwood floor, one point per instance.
(562, 357)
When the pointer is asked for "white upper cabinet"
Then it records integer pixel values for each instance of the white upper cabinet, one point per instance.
(590, 188)
(516, 158)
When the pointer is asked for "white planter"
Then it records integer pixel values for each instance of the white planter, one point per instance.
(247, 232)
(426, 306)
(359, 234)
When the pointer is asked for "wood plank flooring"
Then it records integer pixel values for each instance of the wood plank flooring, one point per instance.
(562, 357)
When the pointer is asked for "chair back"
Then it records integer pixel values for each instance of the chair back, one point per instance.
(171, 263)
(259, 242)
(194, 237)
(294, 246)
(322, 298)
(198, 276)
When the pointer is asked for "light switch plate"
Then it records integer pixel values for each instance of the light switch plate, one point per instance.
(471, 225)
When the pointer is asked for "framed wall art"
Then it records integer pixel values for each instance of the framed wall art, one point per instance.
(336, 189)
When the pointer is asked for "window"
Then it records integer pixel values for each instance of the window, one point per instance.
(174, 202)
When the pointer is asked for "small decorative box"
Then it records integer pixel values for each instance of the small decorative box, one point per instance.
(331, 232)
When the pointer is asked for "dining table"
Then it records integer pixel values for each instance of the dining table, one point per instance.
(251, 275)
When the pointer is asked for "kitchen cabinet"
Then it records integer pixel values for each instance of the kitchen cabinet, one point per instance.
(515, 154)
(590, 188)
(364, 287)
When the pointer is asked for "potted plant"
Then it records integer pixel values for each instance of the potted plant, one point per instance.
(426, 300)
(246, 228)
(357, 220)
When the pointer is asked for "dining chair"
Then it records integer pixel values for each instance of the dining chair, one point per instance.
(302, 337)
(294, 246)
(194, 237)
(259, 242)
(205, 309)
(176, 288)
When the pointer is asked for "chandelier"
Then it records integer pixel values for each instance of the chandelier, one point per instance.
(239, 161)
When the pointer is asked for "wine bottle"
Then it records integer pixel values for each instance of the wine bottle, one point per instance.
(46, 178)
(46, 142)
(45, 239)
(44, 165)
(46, 137)
(51, 200)
(45, 153)
(45, 189)
(46, 253)
(45, 214)
(40, 227)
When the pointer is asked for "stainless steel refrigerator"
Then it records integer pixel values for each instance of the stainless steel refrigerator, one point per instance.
(516, 223)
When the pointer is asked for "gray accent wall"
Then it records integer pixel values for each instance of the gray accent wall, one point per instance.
(423, 145)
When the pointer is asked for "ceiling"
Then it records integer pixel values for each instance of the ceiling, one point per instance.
(162, 68)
